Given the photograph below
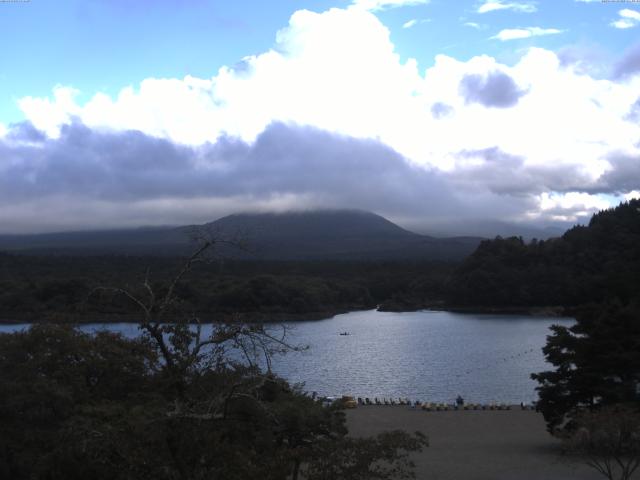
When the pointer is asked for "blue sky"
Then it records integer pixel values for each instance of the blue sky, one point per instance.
(103, 45)
(123, 113)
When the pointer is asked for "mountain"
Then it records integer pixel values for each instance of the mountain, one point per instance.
(311, 235)
(339, 234)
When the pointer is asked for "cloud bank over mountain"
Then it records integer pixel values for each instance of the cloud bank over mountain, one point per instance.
(102, 178)
(330, 118)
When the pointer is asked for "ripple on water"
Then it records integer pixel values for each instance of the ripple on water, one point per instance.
(431, 356)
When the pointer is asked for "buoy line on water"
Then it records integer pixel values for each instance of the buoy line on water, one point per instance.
(495, 363)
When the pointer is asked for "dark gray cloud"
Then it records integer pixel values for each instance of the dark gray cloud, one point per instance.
(493, 155)
(634, 112)
(439, 110)
(623, 177)
(25, 132)
(122, 170)
(496, 89)
(89, 178)
(133, 166)
(629, 64)
(586, 58)
(103, 165)
(506, 174)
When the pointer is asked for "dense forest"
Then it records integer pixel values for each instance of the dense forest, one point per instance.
(587, 264)
(79, 406)
(67, 288)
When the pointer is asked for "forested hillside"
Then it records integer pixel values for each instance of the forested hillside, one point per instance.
(62, 288)
(587, 264)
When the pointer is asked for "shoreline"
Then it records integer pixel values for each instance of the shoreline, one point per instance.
(246, 317)
(281, 317)
(533, 311)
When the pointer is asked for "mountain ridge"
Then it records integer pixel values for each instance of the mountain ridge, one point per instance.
(303, 235)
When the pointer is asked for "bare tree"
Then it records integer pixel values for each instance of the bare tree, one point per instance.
(178, 335)
(235, 416)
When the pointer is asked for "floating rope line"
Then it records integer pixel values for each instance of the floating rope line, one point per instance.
(494, 363)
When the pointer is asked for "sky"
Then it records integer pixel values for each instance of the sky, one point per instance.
(164, 112)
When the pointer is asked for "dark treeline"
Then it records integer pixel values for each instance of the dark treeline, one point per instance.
(587, 264)
(596, 360)
(75, 406)
(590, 263)
(60, 288)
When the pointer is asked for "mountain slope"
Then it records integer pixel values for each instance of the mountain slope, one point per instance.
(339, 234)
(590, 263)
(316, 235)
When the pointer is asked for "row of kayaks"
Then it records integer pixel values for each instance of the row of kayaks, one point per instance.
(432, 407)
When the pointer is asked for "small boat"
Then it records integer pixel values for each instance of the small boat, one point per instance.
(345, 333)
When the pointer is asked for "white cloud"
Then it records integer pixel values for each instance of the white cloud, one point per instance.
(494, 5)
(628, 19)
(48, 114)
(415, 21)
(623, 23)
(475, 25)
(570, 207)
(632, 195)
(628, 13)
(374, 5)
(321, 74)
(518, 33)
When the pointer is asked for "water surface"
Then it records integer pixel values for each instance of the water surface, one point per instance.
(423, 355)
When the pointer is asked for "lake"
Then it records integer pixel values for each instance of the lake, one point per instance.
(426, 355)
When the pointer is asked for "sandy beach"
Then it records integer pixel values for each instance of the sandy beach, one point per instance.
(476, 445)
